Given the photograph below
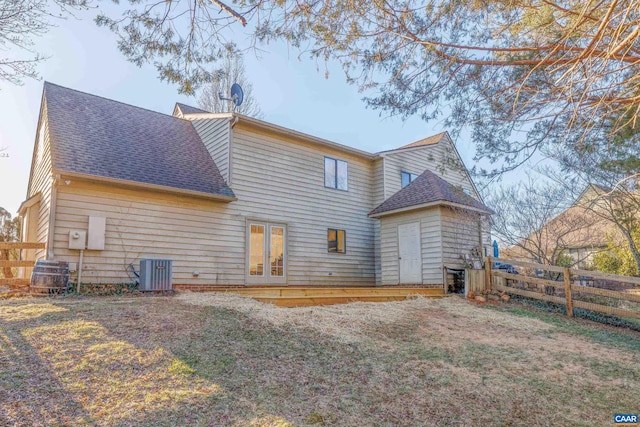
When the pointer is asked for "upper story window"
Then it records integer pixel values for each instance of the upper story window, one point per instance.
(407, 178)
(336, 174)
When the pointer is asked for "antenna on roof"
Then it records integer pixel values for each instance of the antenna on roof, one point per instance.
(237, 96)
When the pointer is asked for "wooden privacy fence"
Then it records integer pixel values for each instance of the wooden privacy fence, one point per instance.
(574, 288)
(14, 283)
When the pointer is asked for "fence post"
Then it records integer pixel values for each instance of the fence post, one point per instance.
(487, 273)
(567, 291)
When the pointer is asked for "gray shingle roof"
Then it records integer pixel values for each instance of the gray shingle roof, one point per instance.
(428, 188)
(187, 109)
(97, 136)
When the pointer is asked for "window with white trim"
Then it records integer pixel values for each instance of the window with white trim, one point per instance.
(336, 174)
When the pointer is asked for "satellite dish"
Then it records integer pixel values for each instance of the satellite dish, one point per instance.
(237, 95)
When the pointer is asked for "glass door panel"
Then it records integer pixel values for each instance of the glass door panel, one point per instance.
(276, 251)
(256, 250)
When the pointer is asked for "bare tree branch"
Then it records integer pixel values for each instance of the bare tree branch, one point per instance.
(232, 71)
(231, 12)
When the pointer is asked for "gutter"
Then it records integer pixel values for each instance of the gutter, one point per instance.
(429, 205)
(145, 186)
(52, 215)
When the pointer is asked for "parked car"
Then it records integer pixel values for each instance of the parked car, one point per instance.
(508, 268)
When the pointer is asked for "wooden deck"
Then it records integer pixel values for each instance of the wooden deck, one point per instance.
(295, 296)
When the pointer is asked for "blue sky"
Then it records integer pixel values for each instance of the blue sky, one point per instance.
(291, 92)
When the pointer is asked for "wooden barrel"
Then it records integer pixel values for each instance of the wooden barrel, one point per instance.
(49, 277)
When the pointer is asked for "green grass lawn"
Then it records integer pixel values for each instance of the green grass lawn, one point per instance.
(218, 360)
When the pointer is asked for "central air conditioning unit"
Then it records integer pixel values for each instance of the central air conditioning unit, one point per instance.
(155, 275)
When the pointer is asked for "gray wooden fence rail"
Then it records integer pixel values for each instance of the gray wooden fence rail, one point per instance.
(565, 286)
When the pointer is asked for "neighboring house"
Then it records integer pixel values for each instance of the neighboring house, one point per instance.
(234, 200)
(578, 232)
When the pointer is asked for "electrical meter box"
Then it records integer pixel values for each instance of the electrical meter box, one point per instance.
(77, 239)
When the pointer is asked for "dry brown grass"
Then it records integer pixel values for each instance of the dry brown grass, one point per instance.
(216, 359)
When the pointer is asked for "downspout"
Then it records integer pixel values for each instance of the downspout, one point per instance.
(480, 234)
(444, 269)
(236, 118)
(52, 216)
(384, 179)
(80, 269)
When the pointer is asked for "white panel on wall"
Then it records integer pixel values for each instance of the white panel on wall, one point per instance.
(96, 235)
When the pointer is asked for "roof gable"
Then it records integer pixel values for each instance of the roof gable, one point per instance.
(434, 143)
(95, 136)
(181, 109)
(592, 193)
(428, 188)
(39, 155)
(430, 140)
(425, 142)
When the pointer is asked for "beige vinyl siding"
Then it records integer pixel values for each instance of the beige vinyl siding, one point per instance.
(486, 235)
(378, 197)
(441, 159)
(197, 234)
(460, 234)
(215, 134)
(281, 180)
(41, 181)
(377, 248)
(431, 245)
(378, 181)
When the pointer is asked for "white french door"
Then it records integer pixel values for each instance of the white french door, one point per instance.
(266, 253)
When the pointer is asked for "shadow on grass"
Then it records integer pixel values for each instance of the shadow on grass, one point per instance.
(31, 393)
(157, 361)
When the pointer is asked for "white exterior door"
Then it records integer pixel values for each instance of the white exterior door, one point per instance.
(266, 253)
(409, 253)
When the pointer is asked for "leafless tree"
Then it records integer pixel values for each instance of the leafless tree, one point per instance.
(609, 166)
(20, 22)
(540, 221)
(232, 71)
(616, 206)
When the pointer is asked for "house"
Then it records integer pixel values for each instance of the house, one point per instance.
(233, 200)
(579, 232)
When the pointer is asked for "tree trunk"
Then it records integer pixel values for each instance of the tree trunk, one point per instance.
(635, 253)
(633, 248)
(6, 271)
